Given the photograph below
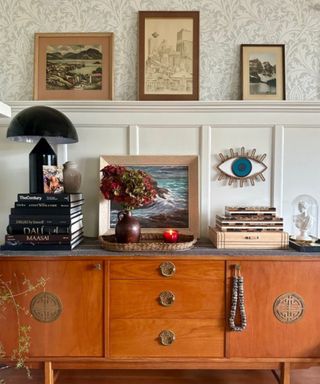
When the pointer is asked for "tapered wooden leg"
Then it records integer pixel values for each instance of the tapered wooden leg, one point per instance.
(285, 373)
(48, 373)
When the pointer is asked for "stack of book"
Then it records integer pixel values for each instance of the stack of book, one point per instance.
(249, 227)
(45, 221)
(252, 219)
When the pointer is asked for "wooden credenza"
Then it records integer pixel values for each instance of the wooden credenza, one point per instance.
(166, 311)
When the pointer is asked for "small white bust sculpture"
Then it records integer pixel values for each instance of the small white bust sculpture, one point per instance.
(303, 221)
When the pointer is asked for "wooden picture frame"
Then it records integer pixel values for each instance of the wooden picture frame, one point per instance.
(263, 71)
(177, 205)
(73, 66)
(168, 55)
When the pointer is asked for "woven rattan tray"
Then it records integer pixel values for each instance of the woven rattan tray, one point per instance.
(148, 242)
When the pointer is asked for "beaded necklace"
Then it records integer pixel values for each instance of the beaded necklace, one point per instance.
(237, 299)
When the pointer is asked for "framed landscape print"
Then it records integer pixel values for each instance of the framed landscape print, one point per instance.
(73, 66)
(168, 55)
(176, 206)
(263, 72)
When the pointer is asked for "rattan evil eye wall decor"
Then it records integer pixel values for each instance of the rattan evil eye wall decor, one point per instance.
(243, 167)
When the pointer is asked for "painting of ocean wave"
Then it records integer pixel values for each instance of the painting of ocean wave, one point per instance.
(170, 209)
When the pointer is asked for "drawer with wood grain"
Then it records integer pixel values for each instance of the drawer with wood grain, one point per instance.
(173, 269)
(167, 299)
(166, 338)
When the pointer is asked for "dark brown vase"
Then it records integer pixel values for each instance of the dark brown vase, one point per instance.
(127, 228)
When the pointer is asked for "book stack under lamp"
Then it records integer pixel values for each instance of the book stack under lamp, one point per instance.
(45, 221)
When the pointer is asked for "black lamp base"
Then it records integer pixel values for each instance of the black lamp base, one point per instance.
(42, 154)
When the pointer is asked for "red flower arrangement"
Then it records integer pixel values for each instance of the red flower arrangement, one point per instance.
(132, 188)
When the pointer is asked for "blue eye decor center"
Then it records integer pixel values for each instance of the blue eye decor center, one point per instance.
(241, 167)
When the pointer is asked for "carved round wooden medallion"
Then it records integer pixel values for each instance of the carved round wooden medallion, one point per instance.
(46, 307)
(288, 307)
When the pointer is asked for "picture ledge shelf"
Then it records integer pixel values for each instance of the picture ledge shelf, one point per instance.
(221, 106)
(5, 110)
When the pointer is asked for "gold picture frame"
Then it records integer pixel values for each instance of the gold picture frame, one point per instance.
(263, 71)
(169, 55)
(177, 205)
(73, 66)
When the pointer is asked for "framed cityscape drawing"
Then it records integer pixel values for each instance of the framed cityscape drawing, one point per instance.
(73, 66)
(168, 55)
(263, 72)
(176, 206)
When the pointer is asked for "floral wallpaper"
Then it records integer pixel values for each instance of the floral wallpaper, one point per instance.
(224, 25)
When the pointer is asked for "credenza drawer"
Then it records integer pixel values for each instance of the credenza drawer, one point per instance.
(167, 299)
(171, 269)
(188, 338)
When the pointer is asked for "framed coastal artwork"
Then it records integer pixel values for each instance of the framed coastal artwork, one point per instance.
(176, 206)
(168, 55)
(263, 72)
(73, 66)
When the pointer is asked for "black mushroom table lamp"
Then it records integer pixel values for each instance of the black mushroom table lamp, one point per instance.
(41, 124)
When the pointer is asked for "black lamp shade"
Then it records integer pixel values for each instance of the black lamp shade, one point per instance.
(35, 122)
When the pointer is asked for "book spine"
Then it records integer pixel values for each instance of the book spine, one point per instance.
(45, 211)
(48, 197)
(50, 204)
(61, 220)
(38, 239)
(17, 229)
(59, 204)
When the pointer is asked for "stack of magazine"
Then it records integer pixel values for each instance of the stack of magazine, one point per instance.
(45, 221)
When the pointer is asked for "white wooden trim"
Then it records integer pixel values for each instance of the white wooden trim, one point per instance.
(233, 106)
(205, 180)
(277, 168)
(5, 110)
(133, 140)
(251, 125)
(182, 114)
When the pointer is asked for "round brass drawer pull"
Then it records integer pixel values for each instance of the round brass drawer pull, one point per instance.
(167, 298)
(167, 269)
(167, 337)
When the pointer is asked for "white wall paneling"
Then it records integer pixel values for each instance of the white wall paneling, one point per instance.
(301, 156)
(205, 180)
(285, 131)
(277, 167)
(62, 152)
(234, 136)
(169, 139)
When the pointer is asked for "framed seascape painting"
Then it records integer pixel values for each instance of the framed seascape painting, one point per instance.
(168, 55)
(73, 66)
(263, 72)
(175, 179)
